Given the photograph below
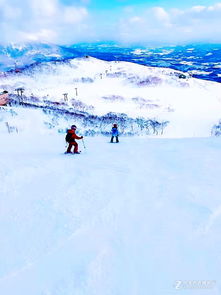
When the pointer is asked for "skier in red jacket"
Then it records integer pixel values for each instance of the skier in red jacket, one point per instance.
(70, 138)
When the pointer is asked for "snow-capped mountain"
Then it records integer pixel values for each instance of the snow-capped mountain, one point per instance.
(189, 106)
(20, 56)
(200, 60)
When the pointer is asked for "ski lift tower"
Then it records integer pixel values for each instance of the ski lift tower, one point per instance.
(20, 92)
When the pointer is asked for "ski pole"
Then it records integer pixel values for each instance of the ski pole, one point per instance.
(83, 143)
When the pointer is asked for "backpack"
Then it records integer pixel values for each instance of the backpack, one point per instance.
(68, 137)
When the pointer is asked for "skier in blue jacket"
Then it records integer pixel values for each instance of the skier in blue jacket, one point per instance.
(115, 133)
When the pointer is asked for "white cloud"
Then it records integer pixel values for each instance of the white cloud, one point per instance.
(10, 13)
(43, 34)
(74, 15)
(41, 20)
(161, 14)
(50, 20)
(135, 19)
(198, 8)
(175, 12)
(41, 8)
(215, 7)
(197, 23)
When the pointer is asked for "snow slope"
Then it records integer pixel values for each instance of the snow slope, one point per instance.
(129, 218)
(191, 106)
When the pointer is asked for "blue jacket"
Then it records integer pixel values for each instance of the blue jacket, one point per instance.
(115, 131)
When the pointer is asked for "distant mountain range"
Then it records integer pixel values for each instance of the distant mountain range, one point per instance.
(24, 55)
(199, 60)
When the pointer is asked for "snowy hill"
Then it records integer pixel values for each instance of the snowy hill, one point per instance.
(129, 218)
(188, 107)
(135, 218)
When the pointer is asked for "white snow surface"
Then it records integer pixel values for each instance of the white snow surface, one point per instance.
(192, 106)
(129, 218)
(120, 219)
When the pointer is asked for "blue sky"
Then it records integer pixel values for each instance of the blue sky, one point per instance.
(123, 21)
(112, 4)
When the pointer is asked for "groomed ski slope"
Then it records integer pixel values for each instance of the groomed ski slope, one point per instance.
(119, 219)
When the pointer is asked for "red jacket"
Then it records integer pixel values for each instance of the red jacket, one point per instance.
(73, 135)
